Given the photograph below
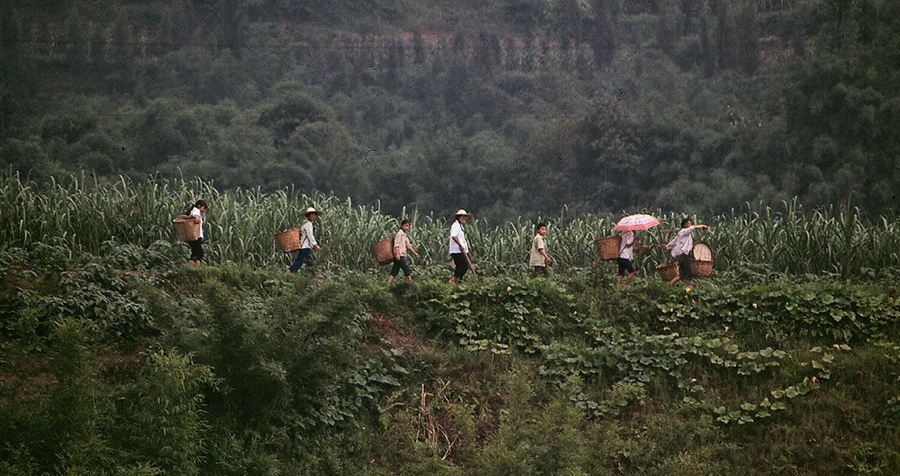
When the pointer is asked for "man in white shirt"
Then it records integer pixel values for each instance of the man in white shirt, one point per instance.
(681, 247)
(459, 249)
(307, 242)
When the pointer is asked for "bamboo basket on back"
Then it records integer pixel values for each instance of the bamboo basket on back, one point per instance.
(608, 246)
(186, 229)
(383, 251)
(288, 240)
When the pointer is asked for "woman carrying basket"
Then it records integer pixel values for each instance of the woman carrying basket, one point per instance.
(196, 213)
(681, 247)
(307, 242)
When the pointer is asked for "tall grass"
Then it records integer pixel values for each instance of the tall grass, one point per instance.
(240, 225)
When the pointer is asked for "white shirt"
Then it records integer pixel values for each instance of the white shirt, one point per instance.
(401, 241)
(307, 239)
(195, 212)
(626, 251)
(457, 231)
(682, 243)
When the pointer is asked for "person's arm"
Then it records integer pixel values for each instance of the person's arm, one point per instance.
(312, 237)
(459, 243)
(409, 246)
(669, 245)
(688, 230)
(545, 255)
(196, 216)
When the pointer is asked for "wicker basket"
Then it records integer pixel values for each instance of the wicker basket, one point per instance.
(701, 251)
(382, 251)
(186, 228)
(700, 268)
(702, 259)
(289, 240)
(608, 246)
(667, 271)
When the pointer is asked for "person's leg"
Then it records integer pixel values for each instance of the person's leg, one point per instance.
(459, 260)
(394, 270)
(621, 271)
(196, 252)
(308, 257)
(684, 269)
(629, 268)
(304, 256)
(405, 266)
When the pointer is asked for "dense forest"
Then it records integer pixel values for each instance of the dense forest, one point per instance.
(506, 107)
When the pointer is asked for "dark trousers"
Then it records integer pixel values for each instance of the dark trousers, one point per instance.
(684, 266)
(196, 249)
(540, 271)
(625, 266)
(398, 264)
(304, 257)
(462, 265)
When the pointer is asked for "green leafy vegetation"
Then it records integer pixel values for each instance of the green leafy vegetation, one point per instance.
(124, 360)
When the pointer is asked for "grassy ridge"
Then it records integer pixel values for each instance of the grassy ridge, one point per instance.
(82, 216)
(115, 358)
(226, 369)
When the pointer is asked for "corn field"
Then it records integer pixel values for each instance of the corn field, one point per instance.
(239, 225)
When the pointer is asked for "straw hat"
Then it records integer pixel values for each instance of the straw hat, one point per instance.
(312, 210)
(461, 212)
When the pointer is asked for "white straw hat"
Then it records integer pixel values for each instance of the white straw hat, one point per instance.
(461, 212)
(312, 210)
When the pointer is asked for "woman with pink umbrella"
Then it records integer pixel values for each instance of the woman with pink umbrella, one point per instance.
(630, 224)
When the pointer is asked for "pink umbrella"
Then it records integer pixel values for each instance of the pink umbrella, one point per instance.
(637, 222)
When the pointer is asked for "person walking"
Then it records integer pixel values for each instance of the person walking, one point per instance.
(401, 244)
(681, 247)
(196, 213)
(538, 258)
(459, 248)
(307, 242)
(626, 256)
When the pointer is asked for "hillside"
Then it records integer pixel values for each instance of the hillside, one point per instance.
(115, 358)
(509, 108)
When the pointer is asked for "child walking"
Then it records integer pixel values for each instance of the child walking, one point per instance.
(401, 245)
(538, 259)
(626, 256)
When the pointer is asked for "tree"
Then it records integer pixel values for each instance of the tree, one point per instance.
(290, 109)
(748, 39)
(601, 35)
(666, 30)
